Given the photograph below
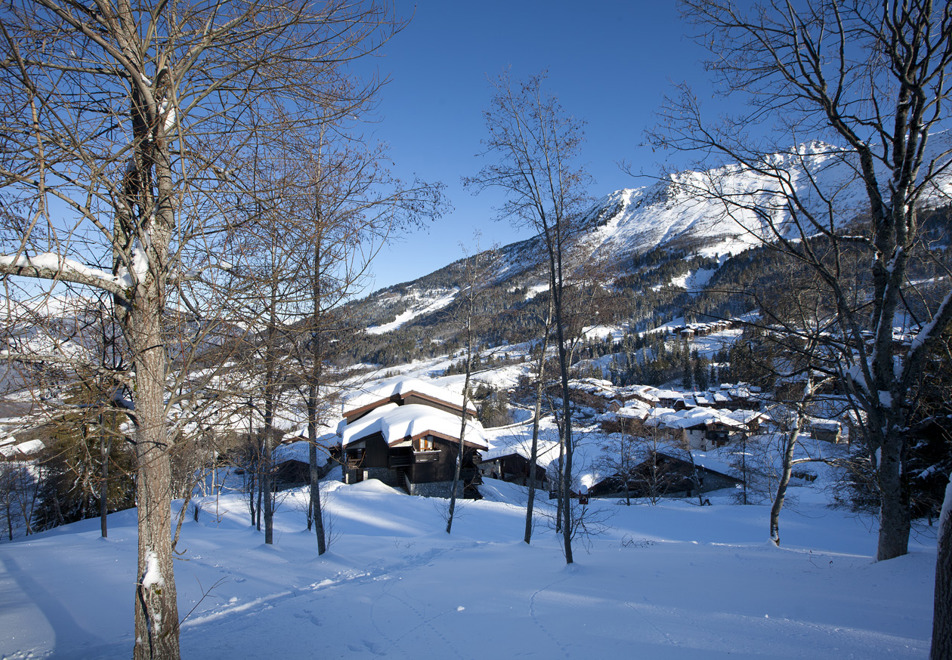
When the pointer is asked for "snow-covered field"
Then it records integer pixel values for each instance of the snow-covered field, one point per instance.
(668, 581)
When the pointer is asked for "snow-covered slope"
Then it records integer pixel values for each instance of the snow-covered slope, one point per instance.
(668, 581)
(417, 304)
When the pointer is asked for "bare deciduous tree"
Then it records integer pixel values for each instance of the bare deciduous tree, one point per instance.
(343, 205)
(533, 143)
(873, 77)
(475, 270)
(122, 122)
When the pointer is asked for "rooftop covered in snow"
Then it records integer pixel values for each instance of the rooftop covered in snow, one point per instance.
(400, 392)
(411, 421)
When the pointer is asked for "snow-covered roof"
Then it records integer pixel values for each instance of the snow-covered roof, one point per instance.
(594, 386)
(821, 423)
(745, 416)
(403, 389)
(634, 410)
(366, 425)
(668, 394)
(546, 451)
(29, 447)
(398, 423)
(693, 417)
(643, 392)
(300, 450)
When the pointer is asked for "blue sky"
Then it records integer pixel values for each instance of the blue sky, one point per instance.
(609, 62)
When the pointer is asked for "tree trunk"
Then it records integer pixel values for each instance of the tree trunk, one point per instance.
(743, 466)
(534, 450)
(462, 430)
(556, 281)
(267, 488)
(317, 515)
(560, 493)
(314, 477)
(156, 607)
(785, 473)
(104, 447)
(317, 357)
(942, 601)
(156, 612)
(894, 520)
(473, 271)
(251, 476)
(260, 483)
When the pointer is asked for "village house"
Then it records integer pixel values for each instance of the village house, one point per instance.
(594, 393)
(407, 435)
(702, 428)
(290, 460)
(662, 475)
(12, 449)
(514, 467)
(827, 430)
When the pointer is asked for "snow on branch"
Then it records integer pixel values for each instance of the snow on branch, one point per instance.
(49, 266)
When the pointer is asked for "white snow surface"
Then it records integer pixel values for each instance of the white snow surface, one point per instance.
(673, 580)
(668, 581)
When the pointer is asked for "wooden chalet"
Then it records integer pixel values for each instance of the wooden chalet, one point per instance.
(290, 460)
(410, 391)
(662, 475)
(408, 437)
(514, 468)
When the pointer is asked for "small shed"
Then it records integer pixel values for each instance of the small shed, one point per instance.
(290, 460)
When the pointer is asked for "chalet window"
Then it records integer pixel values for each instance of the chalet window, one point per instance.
(425, 450)
(425, 444)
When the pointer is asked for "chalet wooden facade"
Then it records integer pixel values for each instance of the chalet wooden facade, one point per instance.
(291, 465)
(514, 468)
(662, 475)
(408, 437)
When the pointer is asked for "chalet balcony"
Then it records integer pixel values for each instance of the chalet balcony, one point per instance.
(401, 460)
(426, 456)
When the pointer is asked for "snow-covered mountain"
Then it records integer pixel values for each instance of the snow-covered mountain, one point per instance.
(682, 214)
(687, 210)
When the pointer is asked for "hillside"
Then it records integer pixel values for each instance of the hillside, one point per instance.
(641, 257)
(670, 581)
